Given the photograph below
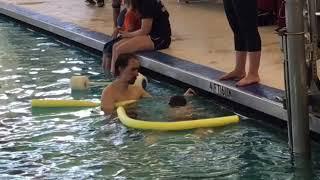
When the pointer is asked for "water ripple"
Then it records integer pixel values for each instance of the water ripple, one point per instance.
(62, 71)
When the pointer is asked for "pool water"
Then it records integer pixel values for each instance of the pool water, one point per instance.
(81, 143)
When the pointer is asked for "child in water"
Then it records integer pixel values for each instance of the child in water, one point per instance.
(179, 108)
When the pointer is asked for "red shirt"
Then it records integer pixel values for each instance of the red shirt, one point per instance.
(132, 21)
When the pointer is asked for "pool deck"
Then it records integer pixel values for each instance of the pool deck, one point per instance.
(199, 54)
(206, 40)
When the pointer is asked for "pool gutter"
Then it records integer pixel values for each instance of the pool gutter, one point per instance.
(259, 97)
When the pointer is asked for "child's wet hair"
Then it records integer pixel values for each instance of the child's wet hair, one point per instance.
(177, 101)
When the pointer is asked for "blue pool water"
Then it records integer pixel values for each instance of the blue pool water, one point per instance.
(83, 144)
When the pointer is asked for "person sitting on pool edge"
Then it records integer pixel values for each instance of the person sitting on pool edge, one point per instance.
(131, 22)
(122, 88)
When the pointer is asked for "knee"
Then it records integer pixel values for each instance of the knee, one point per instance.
(118, 50)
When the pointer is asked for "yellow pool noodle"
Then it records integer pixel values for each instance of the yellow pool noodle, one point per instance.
(62, 103)
(175, 125)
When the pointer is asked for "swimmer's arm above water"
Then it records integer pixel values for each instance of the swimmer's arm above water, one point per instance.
(190, 92)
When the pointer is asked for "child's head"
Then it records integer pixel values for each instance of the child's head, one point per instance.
(177, 101)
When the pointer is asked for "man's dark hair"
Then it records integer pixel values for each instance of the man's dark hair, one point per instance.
(122, 62)
(176, 101)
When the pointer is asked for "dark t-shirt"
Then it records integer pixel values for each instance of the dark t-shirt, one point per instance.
(155, 9)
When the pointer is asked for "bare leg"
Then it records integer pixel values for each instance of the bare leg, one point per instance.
(106, 62)
(138, 43)
(106, 59)
(253, 74)
(240, 70)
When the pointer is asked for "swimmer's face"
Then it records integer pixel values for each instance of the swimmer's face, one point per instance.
(131, 72)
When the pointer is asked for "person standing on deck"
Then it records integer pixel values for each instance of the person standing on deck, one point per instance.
(242, 17)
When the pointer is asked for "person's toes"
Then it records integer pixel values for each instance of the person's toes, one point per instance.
(248, 81)
(233, 75)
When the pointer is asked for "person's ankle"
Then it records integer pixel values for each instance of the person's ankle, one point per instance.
(253, 74)
(239, 71)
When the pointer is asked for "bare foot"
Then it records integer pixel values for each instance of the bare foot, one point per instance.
(233, 75)
(248, 80)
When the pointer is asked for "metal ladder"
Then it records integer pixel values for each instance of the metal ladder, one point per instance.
(312, 34)
(312, 45)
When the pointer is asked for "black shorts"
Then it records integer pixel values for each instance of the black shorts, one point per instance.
(107, 49)
(160, 42)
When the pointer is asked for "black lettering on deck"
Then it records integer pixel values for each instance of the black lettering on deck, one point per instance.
(219, 90)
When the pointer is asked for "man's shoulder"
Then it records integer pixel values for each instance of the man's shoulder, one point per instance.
(109, 88)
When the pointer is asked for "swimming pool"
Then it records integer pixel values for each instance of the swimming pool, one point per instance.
(83, 144)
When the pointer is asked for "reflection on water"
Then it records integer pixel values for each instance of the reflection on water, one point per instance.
(80, 143)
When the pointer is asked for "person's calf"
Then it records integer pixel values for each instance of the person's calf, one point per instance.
(106, 62)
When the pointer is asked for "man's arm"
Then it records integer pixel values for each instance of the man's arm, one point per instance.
(107, 101)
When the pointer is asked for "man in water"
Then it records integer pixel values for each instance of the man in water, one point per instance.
(122, 89)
